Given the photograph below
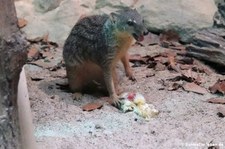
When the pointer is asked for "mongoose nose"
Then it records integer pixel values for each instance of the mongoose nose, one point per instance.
(146, 32)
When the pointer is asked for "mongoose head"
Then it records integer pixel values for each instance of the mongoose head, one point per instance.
(130, 21)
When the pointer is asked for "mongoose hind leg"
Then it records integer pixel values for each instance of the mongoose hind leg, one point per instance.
(128, 70)
(75, 80)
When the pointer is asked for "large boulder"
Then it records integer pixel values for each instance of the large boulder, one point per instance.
(53, 17)
(183, 16)
(57, 17)
(219, 18)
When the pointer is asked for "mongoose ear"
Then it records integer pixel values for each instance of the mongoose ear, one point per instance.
(135, 9)
(113, 16)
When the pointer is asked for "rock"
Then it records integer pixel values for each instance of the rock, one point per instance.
(219, 18)
(208, 45)
(46, 5)
(57, 17)
(57, 22)
(184, 17)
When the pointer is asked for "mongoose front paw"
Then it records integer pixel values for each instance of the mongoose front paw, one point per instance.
(116, 102)
(77, 96)
(132, 78)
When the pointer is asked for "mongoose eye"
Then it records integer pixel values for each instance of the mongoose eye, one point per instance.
(131, 22)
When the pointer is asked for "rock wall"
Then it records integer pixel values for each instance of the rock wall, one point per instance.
(57, 17)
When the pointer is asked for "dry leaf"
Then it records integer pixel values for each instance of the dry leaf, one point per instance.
(138, 58)
(172, 63)
(159, 66)
(150, 74)
(219, 86)
(192, 87)
(168, 37)
(179, 48)
(161, 59)
(191, 75)
(45, 38)
(216, 100)
(92, 106)
(150, 39)
(221, 111)
(174, 86)
(185, 67)
(33, 53)
(22, 22)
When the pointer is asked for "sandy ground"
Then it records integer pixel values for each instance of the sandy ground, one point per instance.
(185, 119)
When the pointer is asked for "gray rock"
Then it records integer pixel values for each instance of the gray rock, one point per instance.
(46, 5)
(219, 18)
(57, 17)
(182, 16)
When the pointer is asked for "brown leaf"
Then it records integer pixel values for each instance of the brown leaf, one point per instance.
(138, 58)
(221, 111)
(161, 59)
(22, 22)
(150, 74)
(219, 87)
(174, 86)
(169, 35)
(191, 75)
(192, 87)
(92, 106)
(160, 67)
(172, 63)
(45, 38)
(179, 48)
(200, 67)
(150, 39)
(184, 60)
(185, 67)
(33, 53)
(216, 100)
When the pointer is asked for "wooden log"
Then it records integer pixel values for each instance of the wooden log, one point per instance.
(208, 45)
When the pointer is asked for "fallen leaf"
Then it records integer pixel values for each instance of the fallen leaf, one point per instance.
(150, 39)
(151, 64)
(216, 100)
(174, 86)
(190, 75)
(168, 37)
(185, 67)
(150, 74)
(200, 67)
(45, 38)
(35, 40)
(172, 63)
(92, 106)
(33, 53)
(219, 87)
(159, 66)
(161, 59)
(22, 22)
(179, 48)
(138, 58)
(221, 111)
(185, 60)
(192, 87)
